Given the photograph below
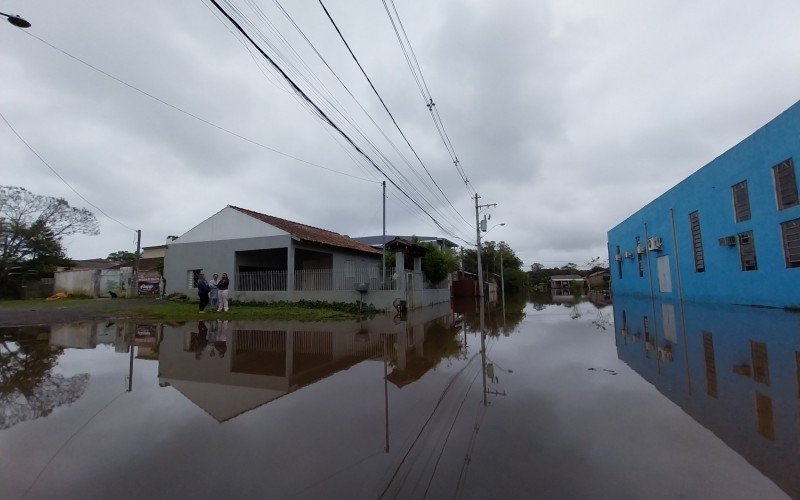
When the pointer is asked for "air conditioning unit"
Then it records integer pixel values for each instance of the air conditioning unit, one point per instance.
(727, 241)
(654, 243)
(639, 248)
(628, 255)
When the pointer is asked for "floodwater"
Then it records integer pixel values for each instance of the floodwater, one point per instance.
(557, 398)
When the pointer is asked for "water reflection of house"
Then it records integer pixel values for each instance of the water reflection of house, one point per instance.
(90, 334)
(263, 361)
(734, 369)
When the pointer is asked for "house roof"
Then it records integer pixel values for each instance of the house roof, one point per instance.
(413, 249)
(148, 264)
(565, 277)
(378, 240)
(310, 233)
(95, 264)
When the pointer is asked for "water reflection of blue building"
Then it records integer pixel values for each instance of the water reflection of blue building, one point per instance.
(734, 369)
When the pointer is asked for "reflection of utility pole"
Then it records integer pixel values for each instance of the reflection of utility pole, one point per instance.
(385, 394)
(130, 370)
(502, 283)
(483, 356)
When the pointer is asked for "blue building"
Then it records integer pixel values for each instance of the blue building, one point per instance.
(730, 232)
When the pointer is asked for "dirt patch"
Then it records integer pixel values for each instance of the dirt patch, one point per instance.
(72, 312)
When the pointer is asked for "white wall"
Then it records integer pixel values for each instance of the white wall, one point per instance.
(227, 224)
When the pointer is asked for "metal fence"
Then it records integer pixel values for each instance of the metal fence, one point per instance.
(315, 280)
(261, 281)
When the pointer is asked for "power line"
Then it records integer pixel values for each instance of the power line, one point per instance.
(416, 71)
(319, 110)
(190, 114)
(385, 107)
(344, 86)
(329, 101)
(59, 175)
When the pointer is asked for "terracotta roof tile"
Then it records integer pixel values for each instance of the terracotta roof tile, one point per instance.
(310, 233)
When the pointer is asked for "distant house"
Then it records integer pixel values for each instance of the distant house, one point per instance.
(154, 252)
(94, 264)
(377, 241)
(562, 285)
(599, 279)
(268, 259)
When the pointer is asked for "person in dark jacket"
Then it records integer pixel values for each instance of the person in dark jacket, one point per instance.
(202, 291)
(222, 285)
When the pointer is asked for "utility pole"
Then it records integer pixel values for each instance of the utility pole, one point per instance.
(502, 283)
(383, 247)
(136, 262)
(478, 233)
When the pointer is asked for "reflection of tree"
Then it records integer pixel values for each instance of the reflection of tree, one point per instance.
(602, 320)
(27, 388)
(540, 301)
(494, 322)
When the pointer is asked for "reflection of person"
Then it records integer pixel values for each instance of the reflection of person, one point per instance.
(218, 338)
(223, 292)
(199, 340)
(214, 293)
(202, 291)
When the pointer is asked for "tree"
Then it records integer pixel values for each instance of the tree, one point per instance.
(438, 263)
(122, 256)
(32, 226)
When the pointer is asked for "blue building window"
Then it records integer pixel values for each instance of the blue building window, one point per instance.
(790, 232)
(785, 184)
(697, 242)
(747, 251)
(619, 263)
(741, 201)
(639, 252)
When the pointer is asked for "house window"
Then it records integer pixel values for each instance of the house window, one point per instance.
(741, 201)
(785, 184)
(764, 419)
(747, 251)
(697, 242)
(619, 263)
(711, 367)
(797, 370)
(790, 232)
(192, 276)
(760, 362)
(349, 269)
(639, 257)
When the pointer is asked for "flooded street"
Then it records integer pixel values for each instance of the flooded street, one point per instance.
(557, 399)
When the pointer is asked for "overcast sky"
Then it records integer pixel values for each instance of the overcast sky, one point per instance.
(570, 115)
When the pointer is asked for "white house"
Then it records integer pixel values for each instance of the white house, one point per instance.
(271, 259)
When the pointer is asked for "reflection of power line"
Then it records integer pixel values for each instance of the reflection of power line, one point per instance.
(450, 431)
(425, 425)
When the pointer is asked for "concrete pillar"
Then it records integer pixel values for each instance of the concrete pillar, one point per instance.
(290, 267)
(400, 267)
(417, 264)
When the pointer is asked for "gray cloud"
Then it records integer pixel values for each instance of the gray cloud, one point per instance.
(569, 115)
